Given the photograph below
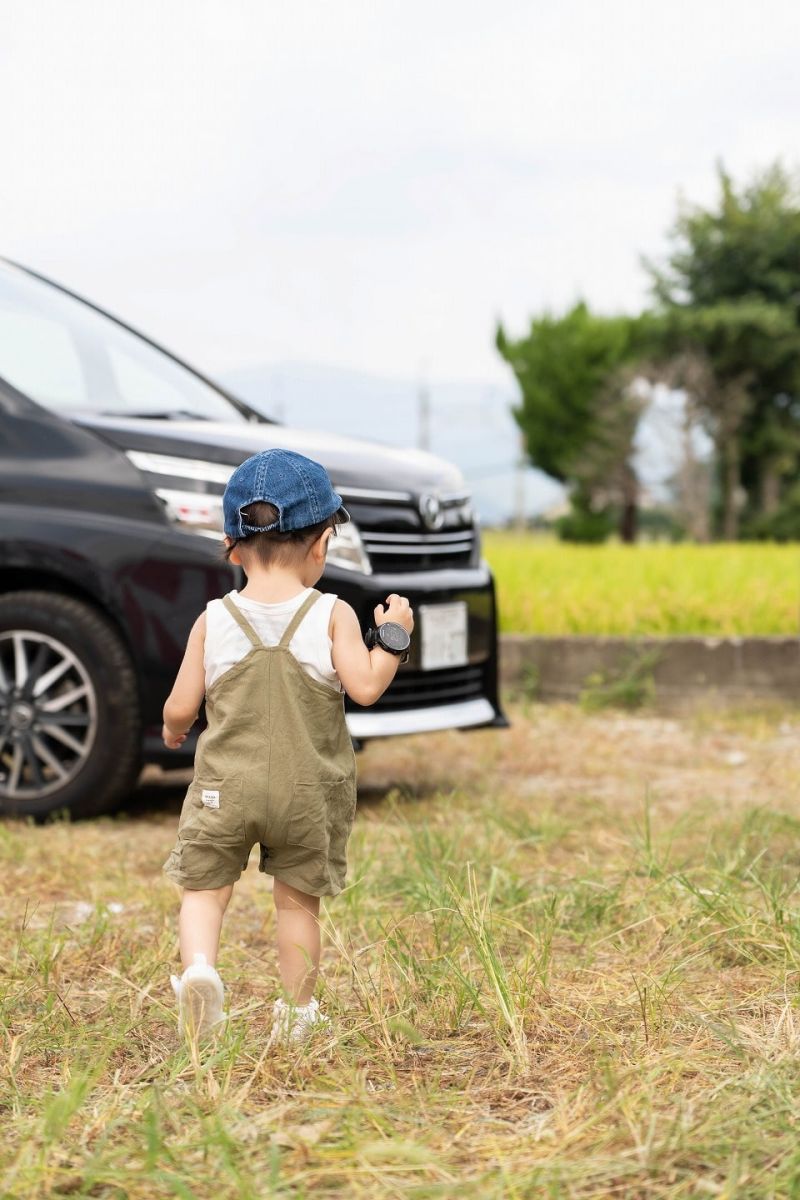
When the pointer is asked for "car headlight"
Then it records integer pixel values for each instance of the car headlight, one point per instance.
(203, 514)
(197, 506)
(194, 510)
(346, 550)
(180, 468)
(201, 511)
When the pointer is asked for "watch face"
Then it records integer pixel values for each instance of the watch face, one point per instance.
(394, 636)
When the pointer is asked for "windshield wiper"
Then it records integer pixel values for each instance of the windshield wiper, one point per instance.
(171, 414)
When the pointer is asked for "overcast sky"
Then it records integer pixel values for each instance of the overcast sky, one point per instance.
(371, 184)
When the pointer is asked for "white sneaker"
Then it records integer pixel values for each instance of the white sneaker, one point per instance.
(200, 995)
(296, 1022)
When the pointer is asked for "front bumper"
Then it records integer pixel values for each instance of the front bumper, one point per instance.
(422, 700)
(418, 701)
(467, 714)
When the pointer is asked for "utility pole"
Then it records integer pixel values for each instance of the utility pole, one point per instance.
(520, 503)
(424, 416)
(278, 405)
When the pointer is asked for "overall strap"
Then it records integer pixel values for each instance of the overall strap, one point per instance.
(292, 627)
(242, 621)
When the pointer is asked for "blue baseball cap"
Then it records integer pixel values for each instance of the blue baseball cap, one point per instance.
(298, 487)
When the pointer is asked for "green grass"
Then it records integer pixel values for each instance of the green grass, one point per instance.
(567, 966)
(548, 587)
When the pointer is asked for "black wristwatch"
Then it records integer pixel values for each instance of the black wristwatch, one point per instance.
(390, 637)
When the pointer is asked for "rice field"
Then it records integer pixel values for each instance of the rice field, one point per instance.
(566, 965)
(549, 587)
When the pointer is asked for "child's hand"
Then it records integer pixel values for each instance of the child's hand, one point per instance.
(397, 610)
(172, 740)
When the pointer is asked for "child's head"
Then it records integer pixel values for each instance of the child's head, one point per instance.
(280, 510)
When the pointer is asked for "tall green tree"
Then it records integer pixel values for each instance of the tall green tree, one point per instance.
(729, 302)
(578, 411)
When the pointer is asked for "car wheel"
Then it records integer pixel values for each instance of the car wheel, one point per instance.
(70, 727)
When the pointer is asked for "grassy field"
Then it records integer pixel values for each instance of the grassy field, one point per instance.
(548, 587)
(566, 966)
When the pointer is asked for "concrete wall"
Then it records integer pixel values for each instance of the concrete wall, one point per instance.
(684, 669)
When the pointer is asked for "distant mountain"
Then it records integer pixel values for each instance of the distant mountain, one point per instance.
(469, 424)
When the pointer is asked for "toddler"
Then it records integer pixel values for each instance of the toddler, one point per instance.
(275, 766)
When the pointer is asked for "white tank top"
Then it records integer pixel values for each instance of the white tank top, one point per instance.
(226, 643)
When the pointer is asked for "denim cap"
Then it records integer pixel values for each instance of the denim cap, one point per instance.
(297, 486)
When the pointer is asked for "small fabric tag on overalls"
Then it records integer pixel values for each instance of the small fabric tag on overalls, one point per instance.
(210, 797)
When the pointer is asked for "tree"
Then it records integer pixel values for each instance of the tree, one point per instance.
(578, 411)
(729, 298)
(712, 352)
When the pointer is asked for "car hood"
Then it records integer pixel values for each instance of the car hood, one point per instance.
(349, 461)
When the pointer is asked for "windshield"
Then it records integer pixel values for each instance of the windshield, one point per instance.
(71, 359)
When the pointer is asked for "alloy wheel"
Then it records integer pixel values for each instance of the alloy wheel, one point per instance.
(48, 714)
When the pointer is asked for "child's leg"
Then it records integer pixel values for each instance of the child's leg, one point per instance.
(201, 922)
(298, 941)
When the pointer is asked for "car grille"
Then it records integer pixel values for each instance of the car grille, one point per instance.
(418, 551)
(422, 689)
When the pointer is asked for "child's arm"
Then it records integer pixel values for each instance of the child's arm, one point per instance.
(366, 674)
(183, 702)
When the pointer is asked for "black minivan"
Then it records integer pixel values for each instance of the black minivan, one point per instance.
(113, 459)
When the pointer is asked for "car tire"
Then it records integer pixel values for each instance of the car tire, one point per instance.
(70, 719)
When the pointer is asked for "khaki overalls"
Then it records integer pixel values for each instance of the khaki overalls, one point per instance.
(275, 766)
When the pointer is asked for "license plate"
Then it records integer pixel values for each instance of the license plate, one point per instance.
(443, 635)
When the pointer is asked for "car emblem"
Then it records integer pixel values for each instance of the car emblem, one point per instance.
(430, 509)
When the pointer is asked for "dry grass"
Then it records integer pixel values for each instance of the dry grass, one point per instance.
(566, 966)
